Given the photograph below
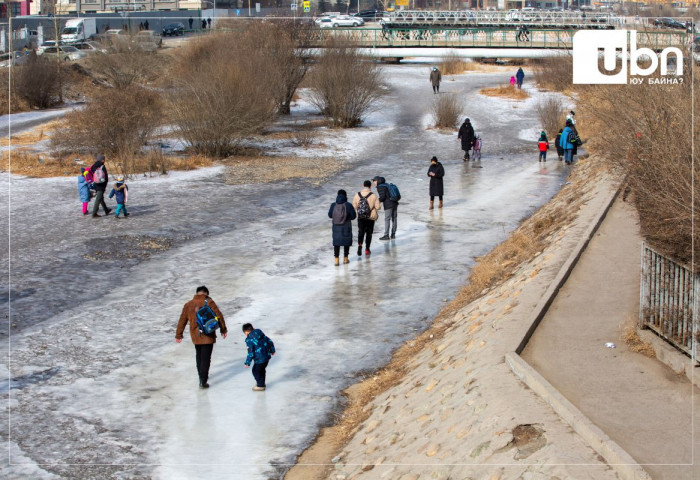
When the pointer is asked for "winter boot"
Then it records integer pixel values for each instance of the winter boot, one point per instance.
(431, 205)
(367, 252)
(440, 204)
(337, 261)
(346, 260)
(385, 237)
(258, 389)
(359, 249)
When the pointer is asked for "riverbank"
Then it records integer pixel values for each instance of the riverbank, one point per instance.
(447, 405)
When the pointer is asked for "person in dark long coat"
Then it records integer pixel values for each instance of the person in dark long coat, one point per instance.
(436, 172)
(466, 135)
(342, 212)
(560, 149)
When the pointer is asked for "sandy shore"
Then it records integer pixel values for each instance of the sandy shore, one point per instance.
(453, 408)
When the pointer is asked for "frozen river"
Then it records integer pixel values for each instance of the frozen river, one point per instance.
(100, 389)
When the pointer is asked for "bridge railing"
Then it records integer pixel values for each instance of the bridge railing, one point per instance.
(479, 37)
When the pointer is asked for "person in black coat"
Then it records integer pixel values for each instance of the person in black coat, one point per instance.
(436, 172)
(466, 135)
(100, 187)
(342, 212)
(560, 150)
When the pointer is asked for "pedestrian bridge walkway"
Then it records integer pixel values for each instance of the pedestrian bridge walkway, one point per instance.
(439, 37)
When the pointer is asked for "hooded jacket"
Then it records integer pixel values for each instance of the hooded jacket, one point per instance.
(83, 189)
(435, 78)
(342, 234)
(121, 191)
(260, 347)
(520, 75)
(436, 186)
(372, 201)
(189, 314)
(383, 193)
(564, 141)
(466, 134)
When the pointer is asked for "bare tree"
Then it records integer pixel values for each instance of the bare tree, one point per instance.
(552, 114)
(38, 82)
(126, 64)
(446, 110)
(223, 93)
(116, 122)
(346, 85)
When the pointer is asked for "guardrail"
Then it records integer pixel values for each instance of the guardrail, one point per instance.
(669, 300)
(407, 18)
(477, 37)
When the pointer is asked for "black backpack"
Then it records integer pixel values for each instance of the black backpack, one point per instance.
(340, 214)
(363, 210)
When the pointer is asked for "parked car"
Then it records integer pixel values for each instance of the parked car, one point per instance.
(149, 40)
(66, 53)
(20, 58)
(115, 31)
(339, 21)
(369, 15)
(45, 45)
(90, 47)
(667, 22)
(173, 29)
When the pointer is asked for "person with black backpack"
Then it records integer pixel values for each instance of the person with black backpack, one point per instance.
(203, 334)
(342, 213)
(389, 195)
(367, 207)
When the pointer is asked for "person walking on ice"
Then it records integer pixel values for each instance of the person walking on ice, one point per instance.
(260, 350)
(435, 79)
(389, 195)
(519, 77)
(367, 207)
(203, 343)
(436, 172)
(543, 146)
(121, 190)
(342, 213)
(84, 190)
(466, 135)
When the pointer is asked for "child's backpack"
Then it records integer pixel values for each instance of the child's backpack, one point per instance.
(394, 194)
(363, 209)
(207, 321)
(544, 146)
(88, 176)
(99, 175)
(574, 139)
(340, 214)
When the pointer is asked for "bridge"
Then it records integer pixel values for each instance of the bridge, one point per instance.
(479, 38)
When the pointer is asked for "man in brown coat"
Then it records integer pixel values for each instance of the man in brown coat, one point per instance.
(203, 344)
(435, 79)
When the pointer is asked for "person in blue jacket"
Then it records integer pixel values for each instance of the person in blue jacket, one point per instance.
(343, 213)
(260, 350)
(566, 144)
(121, 191)
(83, 190)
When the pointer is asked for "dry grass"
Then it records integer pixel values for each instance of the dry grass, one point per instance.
(634, 342)
(447, 109)
(554, 74)
(35, 135)
(505, 91)
(31, 164)
(452, 64)
(267, 169)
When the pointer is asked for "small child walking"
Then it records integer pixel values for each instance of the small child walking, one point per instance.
(477, 148)
(543, 145)
(84, 189)
(121, 191)
(512, 81)
(260, 350)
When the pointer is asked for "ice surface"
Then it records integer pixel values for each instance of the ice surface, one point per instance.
(96, 375)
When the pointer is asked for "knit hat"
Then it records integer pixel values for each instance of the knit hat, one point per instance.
(100, 158)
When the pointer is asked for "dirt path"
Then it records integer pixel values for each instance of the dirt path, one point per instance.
(639, 402)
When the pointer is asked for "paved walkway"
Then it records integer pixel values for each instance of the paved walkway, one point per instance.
(640, 403)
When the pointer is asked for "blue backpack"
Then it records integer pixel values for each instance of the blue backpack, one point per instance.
(207, 321)
(394, 194)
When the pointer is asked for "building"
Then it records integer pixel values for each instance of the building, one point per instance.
(16, 8)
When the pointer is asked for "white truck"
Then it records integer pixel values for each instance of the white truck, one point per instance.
(78, 30)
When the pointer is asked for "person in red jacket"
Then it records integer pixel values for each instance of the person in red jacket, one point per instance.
(543, 145)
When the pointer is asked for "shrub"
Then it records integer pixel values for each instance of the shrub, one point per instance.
(345, 85)
(645, 132)
(116, 122)
(125, 65)
(452, 64)
(552, 115)
(446, 110)
(554, 74)
(223, 93)
(37, 82)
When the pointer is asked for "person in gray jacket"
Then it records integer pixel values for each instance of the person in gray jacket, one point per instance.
(390, 208)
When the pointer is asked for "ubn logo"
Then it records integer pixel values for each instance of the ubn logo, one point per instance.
(613, 43)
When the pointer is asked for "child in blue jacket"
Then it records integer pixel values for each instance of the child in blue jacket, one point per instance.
(260, 350)
(83, 190)
(121, 191)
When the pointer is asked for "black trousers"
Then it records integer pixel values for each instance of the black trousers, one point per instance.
(336, 250)
(259, 373)
(203, 355)
(365, 227)
(432, 198)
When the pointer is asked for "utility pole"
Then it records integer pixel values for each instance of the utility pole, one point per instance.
(57, 37)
